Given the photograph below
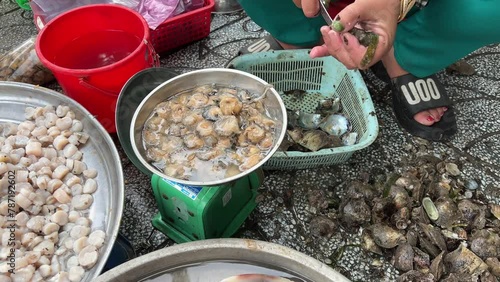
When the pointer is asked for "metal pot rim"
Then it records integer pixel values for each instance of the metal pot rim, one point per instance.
(215, 182)
(242, 250)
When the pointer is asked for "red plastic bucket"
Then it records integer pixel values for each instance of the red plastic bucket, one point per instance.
(93, 50)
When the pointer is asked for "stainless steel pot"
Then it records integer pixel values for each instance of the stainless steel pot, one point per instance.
(226, 6)
(99, 152)
(131, 95)
(268, 255)
(274, 105)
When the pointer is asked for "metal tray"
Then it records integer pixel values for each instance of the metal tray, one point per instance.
(270, 256)
(99, 153)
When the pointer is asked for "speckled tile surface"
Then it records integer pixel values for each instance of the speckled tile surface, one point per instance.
(286, 214)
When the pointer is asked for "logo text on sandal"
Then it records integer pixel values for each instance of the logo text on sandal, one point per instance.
(259, 46)
(421, 90)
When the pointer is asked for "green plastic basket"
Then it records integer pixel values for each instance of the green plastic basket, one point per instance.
(24, 4)
(322, 77)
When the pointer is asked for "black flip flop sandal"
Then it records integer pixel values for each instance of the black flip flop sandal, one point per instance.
(264, 44)
(411, 95)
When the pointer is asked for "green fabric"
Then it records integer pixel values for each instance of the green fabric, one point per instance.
(429, 40)
(284, 21)
(444, 32)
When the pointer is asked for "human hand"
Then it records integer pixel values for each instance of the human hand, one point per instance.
(379, 17)
(310, 7)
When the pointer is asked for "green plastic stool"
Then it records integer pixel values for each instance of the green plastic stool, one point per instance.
(190, 213)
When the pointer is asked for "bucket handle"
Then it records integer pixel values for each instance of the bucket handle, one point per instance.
(84, 82)
(153, 57)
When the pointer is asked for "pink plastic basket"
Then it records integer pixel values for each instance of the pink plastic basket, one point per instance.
(183, 29)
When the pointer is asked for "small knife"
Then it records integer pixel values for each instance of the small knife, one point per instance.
(324, 13)
(365, 38)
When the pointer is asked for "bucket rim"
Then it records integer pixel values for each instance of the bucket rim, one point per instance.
(81, 72)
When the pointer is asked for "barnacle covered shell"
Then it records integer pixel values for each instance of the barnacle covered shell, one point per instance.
(386, 236)
(403, 257)
(463, 260)
(336, 124)
(448, 212)
(355, 212)
(485, 243)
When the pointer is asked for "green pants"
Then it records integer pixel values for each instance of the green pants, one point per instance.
(426, 42)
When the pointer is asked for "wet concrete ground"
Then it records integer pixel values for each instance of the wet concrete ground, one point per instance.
(286, 214)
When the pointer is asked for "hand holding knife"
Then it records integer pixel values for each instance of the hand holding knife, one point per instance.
(367, 39)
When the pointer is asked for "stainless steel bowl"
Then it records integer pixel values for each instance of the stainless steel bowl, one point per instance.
(273, 102)
(226, 6)
(269, 256)
(131, 95)
(99, 153)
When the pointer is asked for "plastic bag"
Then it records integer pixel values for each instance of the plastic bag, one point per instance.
(49, 9)
(133, 4)
(155, 12)
(193, 4)
(22, 64)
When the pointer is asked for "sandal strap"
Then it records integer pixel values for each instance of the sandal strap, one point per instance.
(420, 94)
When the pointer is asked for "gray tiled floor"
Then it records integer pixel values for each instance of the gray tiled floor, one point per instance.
(476, 148)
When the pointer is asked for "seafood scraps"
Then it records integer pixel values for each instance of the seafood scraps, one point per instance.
(326, 127)
(209, 133)
(46, 193)
(431, 222)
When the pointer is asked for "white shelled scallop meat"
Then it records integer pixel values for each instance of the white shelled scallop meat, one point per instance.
(46, 191)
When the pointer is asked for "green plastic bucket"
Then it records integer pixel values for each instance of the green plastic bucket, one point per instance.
(24, 4)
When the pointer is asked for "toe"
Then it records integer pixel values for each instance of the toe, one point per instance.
(435, 114)
(425, 118)
(441, 111)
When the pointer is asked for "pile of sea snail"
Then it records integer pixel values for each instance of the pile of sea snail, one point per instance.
(431, 223)
(46, 190)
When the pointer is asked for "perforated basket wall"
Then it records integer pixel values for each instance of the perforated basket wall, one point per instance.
(183, 29)
(324, 77)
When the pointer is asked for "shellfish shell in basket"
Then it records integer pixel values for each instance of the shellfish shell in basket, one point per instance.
(309, 121)
(350, 138)
(336, 125)
(315, 140)
(329, 106)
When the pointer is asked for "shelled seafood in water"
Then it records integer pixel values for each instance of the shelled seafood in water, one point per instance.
(326, 127)
(430, 222)
(209, 133)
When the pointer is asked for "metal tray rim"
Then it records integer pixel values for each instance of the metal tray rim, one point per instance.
(118, 199)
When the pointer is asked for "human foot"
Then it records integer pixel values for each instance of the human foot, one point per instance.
(422, 107)
(426, 117)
